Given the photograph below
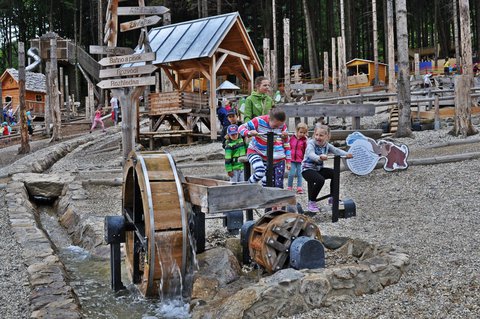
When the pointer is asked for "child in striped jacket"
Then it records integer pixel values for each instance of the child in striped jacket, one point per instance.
(234, 149)
(257, 149)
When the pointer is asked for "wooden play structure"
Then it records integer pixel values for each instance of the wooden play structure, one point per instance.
(188, 52)
(35, 87)
(361, 73)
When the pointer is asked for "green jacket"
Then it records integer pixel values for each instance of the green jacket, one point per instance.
(257, 104)
(233, 150)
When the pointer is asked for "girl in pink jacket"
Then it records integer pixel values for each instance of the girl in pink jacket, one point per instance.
(298, 144)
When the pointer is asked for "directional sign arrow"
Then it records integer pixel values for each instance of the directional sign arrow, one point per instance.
(97, 49)
(135, 11)
(123, 59)
(140, 23)
(135, 70)
(119, 83)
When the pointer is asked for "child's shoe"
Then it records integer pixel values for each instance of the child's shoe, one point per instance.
(290, 188)
(312, 207)
(300, 190)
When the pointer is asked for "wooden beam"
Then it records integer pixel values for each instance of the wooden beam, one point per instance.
(220, 62)
(203, 70)
(213, 99)
(239, 55)
(187, 81)
(317, 110)
(246, 70)
(251, 77)
(170, 77)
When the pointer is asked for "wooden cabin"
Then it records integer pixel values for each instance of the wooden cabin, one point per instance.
(361, 73)
(35, 87)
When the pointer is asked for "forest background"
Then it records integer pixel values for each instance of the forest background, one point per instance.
(429, 23)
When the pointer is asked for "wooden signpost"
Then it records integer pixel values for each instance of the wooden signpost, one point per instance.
(128, 82)
(133, 11)
(135, 70)
(139, 23)
(132, 58)
(98, 49)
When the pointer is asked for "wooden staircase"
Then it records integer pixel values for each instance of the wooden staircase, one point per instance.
(394, 119)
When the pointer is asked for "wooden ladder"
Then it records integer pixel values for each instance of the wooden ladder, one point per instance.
(394, 119)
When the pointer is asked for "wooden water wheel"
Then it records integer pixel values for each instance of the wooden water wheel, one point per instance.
(157, 246)
(272, 235)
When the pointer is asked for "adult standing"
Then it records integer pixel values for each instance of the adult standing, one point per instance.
(114, 105)
(259, 102)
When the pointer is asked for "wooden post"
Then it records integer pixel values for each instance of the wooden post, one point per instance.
(417, 64)
(48, 103)
(157, 82)
(326, 84)
(341, 68)
(391, 48)
(274, 70)
(62, 91)
(53, 85)
(266, 58)
(334, 66)
(286, 58)
(25, 145)
(437, 113)
(167, 85)
(67, 94)
(213, 99)
(91, 103)
(375, 41)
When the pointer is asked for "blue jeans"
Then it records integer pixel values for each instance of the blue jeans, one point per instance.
(295, 170)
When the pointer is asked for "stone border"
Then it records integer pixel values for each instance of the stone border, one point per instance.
(51, 296)
(289, 291)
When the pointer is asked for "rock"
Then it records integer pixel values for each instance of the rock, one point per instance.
(314, 288)
(234, 245)
(204, 288)
(219, 263)
(46, 185)
(334, 242)
(359, 246)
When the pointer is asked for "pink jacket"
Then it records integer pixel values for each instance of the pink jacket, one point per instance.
(297, 148)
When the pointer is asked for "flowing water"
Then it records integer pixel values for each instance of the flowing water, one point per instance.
(90, 279)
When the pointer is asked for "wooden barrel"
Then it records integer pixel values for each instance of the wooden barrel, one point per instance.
(272, 235)
(157, 239)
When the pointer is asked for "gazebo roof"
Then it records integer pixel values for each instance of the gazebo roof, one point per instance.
(35, 82)
(200, 39)
(227, 85)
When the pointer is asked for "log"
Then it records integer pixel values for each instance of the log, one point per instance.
(455, 142)
(337, 135)
(104, 182)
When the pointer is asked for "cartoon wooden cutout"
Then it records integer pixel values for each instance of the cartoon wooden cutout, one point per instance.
(367, 152)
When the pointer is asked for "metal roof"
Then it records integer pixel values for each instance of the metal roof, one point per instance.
(36, 82)
(227, 85)
(191, 39)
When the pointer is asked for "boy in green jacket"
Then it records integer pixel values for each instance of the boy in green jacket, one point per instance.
(259, 102)
(234, 148)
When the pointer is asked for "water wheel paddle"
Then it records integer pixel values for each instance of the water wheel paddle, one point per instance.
(157, 244)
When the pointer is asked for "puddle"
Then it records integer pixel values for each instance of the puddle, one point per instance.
(90, 279)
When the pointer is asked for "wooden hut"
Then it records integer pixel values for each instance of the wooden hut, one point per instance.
(361, 73)
(35, 87)
(199, 49)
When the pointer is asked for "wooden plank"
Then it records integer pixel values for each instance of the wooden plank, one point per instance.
(139, 23)
(136, 11)
(317, 110)
(306, 86)
(98, 49)
(135, 70)
(128, 82)
(341, 135)
(132, 58)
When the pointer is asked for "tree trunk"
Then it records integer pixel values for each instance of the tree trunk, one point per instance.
(375, 40)
(477, 15)
(348, 30)
(274, 55)
(53, 86)
(342, 71)
(463, 101)
(25, 145)
(205, 8)
(326, 85)
(219, 7)
(334, 66)
(286, 58)
(455, 34)
(403, 87)
(266, 58)
(310, 42)
(391, 47)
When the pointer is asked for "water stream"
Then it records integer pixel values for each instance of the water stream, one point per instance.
(90, 279)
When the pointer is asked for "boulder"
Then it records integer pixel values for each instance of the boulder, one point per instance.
(219, 263)
(44, 185)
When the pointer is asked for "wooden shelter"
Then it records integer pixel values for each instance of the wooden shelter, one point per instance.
(199, 49)
(361, 73)
(35, 87)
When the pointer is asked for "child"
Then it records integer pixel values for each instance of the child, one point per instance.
(257, 149)
(232, 119)
(98, 119)
(234, 148)
(312, 166)
(5, 129)
(298, 144)
(30, 119)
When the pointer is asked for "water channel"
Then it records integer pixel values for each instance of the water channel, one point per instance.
(90, 279)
